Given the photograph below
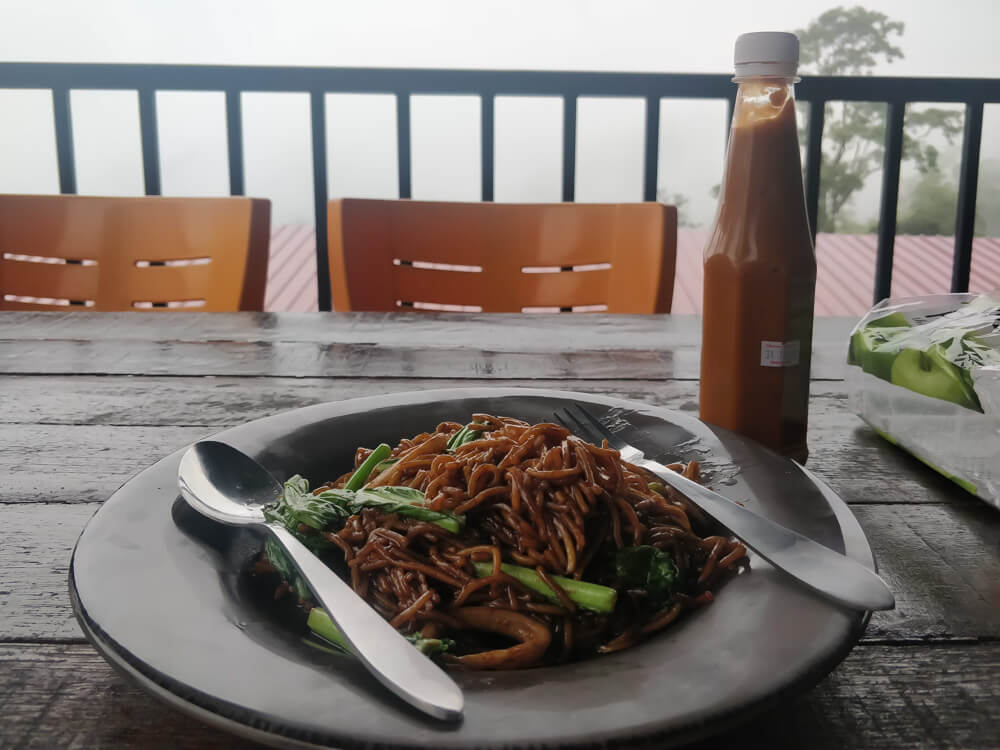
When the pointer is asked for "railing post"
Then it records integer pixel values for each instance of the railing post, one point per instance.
(968, 183)
(62, 112)
(652, 150)
(895, 114)
(148, 130)
(487, 125)
(317, 106)
(234, 141)
(403, 143)
(814, 160)
(569, 148)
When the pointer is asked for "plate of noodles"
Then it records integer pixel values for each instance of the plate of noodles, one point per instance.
(573, 598)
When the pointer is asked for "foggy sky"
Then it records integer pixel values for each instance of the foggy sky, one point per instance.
(620, 35)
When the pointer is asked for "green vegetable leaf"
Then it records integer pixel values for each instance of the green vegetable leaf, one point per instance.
(406, 501)
(359, 477)
(646, 568)
(463, 436)
(383, 466)
(315, 511)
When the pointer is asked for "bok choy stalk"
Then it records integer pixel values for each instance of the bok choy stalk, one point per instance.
(320, 623)
(590, 596)
(359, 477)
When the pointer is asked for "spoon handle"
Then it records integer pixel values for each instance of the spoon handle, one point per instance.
(387, 655)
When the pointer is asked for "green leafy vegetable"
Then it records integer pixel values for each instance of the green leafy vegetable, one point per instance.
(383, 466)
(466, 435)
(359, 477)
(314, 511)
(320, 623)
(590, 596)
(646, 568)
(406, 501)
(330, 508)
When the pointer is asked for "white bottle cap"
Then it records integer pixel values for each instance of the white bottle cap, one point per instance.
(767, 53)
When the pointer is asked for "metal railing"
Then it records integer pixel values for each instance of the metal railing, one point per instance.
(61, 78)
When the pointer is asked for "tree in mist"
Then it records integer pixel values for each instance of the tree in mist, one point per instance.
(680, 202)
(988, 200)
(850, 42)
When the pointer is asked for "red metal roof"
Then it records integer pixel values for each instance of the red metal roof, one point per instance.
(845, 269)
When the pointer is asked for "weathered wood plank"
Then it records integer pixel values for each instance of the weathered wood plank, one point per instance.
(58, 464)
(86, 463)
(307, 359)
(858, 464)
(222, 401)
(943, 563)
(505, 332)
(34, 570)
(880, 697)
(368, 345)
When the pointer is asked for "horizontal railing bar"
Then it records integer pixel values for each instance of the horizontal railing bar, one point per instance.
(498, 82)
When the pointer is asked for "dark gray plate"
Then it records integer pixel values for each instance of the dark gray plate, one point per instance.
(164, 595)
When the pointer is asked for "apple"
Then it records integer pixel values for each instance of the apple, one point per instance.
(868, 346)
(931, 374)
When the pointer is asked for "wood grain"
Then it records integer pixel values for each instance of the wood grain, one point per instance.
(880, 697)
(87, 400)
(942, 562)
(460, 330)
(224, 401)
(372, 345)
(75, 429)
(72, 464)
(34, 571)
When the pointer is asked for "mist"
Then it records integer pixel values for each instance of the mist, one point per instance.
(555, 35)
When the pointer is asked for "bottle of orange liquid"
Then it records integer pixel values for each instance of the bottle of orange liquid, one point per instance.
(760, 266)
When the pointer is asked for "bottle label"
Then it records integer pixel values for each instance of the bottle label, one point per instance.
(779, 353)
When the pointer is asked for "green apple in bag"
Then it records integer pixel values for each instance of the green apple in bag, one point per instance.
(871, 348)
(932, 374)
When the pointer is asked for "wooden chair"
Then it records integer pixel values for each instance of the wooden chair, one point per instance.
(65, 252)
(499, 257)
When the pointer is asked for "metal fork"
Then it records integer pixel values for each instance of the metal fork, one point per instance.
(819, 568)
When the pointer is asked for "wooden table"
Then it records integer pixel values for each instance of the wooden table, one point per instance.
(88, 399)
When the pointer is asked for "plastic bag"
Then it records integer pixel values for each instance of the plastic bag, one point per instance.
(925, 374)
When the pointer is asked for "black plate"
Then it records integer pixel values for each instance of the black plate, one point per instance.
(164, 595)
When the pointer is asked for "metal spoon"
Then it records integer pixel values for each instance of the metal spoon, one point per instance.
(228, 486)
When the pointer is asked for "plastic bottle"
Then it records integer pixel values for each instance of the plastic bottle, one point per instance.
(760, 265)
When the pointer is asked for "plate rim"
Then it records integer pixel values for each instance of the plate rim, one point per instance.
(159, 684)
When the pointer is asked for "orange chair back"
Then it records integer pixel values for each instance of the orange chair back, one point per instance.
(63, 252)
(499, 257)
